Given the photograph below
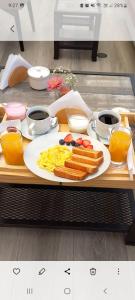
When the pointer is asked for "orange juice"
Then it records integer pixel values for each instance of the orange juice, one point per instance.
(12, 147)
(119, 144)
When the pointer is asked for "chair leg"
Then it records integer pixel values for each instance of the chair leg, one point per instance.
(21, 46)
(56, 50)
(30, 10)
(1, 67)
(18, 26)
(94, 51)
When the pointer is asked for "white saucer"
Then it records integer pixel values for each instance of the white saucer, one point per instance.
(92, 133)
(120, 110)
(27, 135)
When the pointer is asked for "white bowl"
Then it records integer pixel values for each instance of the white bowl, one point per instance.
(38, 77)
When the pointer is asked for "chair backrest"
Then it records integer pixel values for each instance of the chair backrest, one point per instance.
(18, 4)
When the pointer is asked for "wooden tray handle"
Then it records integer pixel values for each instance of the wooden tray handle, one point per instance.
(130, 116)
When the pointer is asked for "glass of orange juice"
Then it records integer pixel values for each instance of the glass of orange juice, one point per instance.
(119, 144)
(12, 146)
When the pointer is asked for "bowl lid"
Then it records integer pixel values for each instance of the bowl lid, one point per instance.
(38, 72)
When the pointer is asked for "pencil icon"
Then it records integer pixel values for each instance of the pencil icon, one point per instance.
(42, 271)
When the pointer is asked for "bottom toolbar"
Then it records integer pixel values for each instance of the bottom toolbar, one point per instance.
(53, 280)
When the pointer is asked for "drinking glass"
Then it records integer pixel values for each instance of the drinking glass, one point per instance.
(78, 123)
(12, 146)
(119, 144)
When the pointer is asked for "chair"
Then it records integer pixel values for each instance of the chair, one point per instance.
(69, 20)
(4, 5)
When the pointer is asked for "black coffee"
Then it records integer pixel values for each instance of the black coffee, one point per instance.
(38, 115)
(108, 119)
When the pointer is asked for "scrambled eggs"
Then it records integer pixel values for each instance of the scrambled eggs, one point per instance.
(54, 157)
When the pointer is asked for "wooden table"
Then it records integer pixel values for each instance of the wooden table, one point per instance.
(100, 91)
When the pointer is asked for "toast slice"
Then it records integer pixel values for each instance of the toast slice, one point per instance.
(69, 173)
(89, 153)
(88, 160)
(80, 166)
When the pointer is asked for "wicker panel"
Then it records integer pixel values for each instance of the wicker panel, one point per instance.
(66, 206)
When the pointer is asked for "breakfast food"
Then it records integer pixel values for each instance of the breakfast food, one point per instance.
(79, 141)
(89, 147)
(69, 141)
(53, 157)
(88, 152)
(69, 173)
(88, 160)
(80, 166)
(80, 163)
(74, 164)
(68, 138)
(61, 142)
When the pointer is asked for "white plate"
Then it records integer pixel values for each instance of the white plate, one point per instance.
(44, 142)
(27, 135)
(92, 134)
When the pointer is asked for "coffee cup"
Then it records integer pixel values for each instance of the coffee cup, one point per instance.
(39, 120)
(106, 120)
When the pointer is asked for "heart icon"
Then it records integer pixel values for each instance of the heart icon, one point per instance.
(16, 271)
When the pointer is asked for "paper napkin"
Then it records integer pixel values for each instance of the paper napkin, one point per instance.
(71, 100)
(12, 63)
(131, 159)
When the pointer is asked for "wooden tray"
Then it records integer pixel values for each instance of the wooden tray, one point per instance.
(112, 178)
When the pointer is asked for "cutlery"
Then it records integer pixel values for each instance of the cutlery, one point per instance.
(93, 126)
(130, 158)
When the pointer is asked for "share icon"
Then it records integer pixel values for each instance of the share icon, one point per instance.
(68, 271)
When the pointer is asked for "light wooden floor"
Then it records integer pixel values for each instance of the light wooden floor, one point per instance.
(41, 244)
(121, 56)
